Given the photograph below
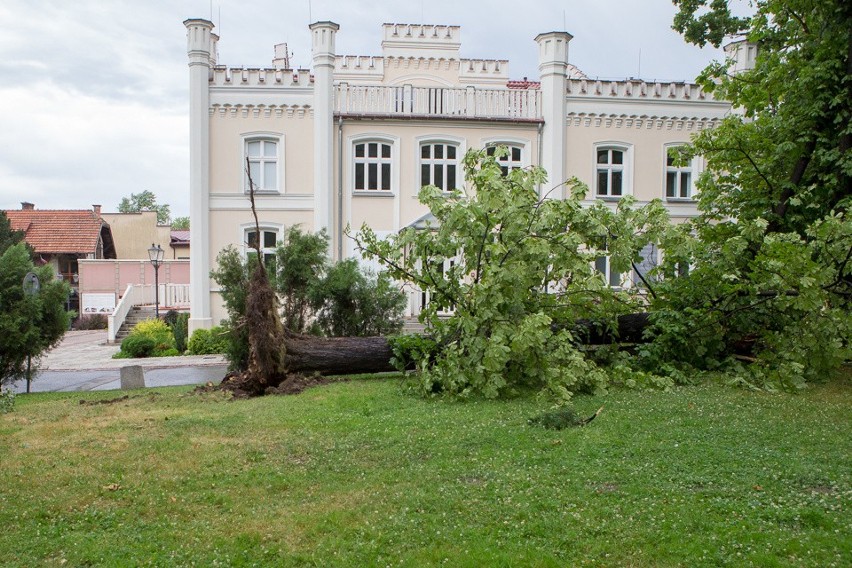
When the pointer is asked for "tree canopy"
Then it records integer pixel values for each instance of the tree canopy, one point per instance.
(507, 273)
(770, 255)
(145, 201)
(180, 223)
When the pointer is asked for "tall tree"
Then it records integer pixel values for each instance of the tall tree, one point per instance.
(30, 322)
(771, 253)
(145, 201)
(8, 237)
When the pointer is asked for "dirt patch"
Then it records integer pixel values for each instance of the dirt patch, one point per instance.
(237, 384)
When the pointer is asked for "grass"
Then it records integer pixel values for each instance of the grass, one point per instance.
(363, 474)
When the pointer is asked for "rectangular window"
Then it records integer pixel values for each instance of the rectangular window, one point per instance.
(438, 165)
(268, 240)
(678, 177)
(372, 166)
(262, 164)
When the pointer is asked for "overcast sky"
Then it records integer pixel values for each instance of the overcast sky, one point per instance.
(94, 93)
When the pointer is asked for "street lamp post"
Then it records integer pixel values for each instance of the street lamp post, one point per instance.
(155, 253)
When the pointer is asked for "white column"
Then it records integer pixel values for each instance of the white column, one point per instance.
(199, 43)
(323, 34)
(553, 66)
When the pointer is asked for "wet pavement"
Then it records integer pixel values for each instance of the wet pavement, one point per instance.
(83, 361)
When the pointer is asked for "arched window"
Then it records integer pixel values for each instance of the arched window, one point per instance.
(512, 161)
(611, 170)
(373, 162)
(679, 175)
(439, 164)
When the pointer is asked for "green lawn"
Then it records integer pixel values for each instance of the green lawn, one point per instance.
(363, 474)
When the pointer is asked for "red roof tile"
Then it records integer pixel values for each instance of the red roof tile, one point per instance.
(58, 231)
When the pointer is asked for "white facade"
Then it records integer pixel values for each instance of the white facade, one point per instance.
(352, 141)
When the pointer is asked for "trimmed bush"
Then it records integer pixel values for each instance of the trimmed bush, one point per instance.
(209, 341)
(138, 345)
(92, 321)
(150, 338)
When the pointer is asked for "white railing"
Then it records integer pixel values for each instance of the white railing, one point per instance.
(133, 296)
(515, 104)
(171, 296)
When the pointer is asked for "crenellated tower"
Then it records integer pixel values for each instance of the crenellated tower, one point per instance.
(322, 49)
(553, 66)
(201, 50)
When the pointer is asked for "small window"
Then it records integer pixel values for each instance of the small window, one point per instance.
(610, 172)
(678, 177)
(373, 166)
(268, 242)
(262, 158)
(438, 165)
(604, 267)
(509, 162)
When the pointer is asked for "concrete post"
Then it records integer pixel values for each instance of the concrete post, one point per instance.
(553, 66)
(200, 52)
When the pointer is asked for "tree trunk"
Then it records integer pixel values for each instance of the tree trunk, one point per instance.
(338, 355)
(347, 355)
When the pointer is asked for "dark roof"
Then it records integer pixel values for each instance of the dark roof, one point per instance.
(63, 231)
(179, 238)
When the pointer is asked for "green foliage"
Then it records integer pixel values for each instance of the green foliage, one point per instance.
(300, 263)
(351, 302)
(180, 223)
(8, 237)
(179, 324)
(315, 296)
(508, 272)
(138, 345)
(231, 273)
(30, 324)
(209, 341)
(557, 419)
(411, 348)
(145, 201)
(150, 338)
(7, 400)
(770, 255)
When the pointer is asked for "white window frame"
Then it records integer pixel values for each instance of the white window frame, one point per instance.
(522, 144)
(274, 137)
(692, 169)
(626, 169)
(247, 228)
(460, 146)
(393, 161)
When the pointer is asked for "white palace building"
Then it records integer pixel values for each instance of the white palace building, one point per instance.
(352, 140)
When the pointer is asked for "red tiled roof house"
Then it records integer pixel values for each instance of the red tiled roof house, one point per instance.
(61, 237)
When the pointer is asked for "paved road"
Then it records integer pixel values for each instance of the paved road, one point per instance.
(109, 379)
(83, 361)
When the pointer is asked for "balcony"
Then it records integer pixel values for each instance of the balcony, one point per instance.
(437, 102)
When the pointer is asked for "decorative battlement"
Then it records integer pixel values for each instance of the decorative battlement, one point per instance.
(411, 40)
(221, 76)
(635, 89)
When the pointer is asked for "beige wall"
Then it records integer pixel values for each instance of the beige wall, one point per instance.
(647, 155)
(134, 233)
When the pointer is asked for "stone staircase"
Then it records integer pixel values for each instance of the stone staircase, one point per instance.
(136, 314)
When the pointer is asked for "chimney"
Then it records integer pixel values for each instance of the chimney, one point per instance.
(27, 206)
(97, 209)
